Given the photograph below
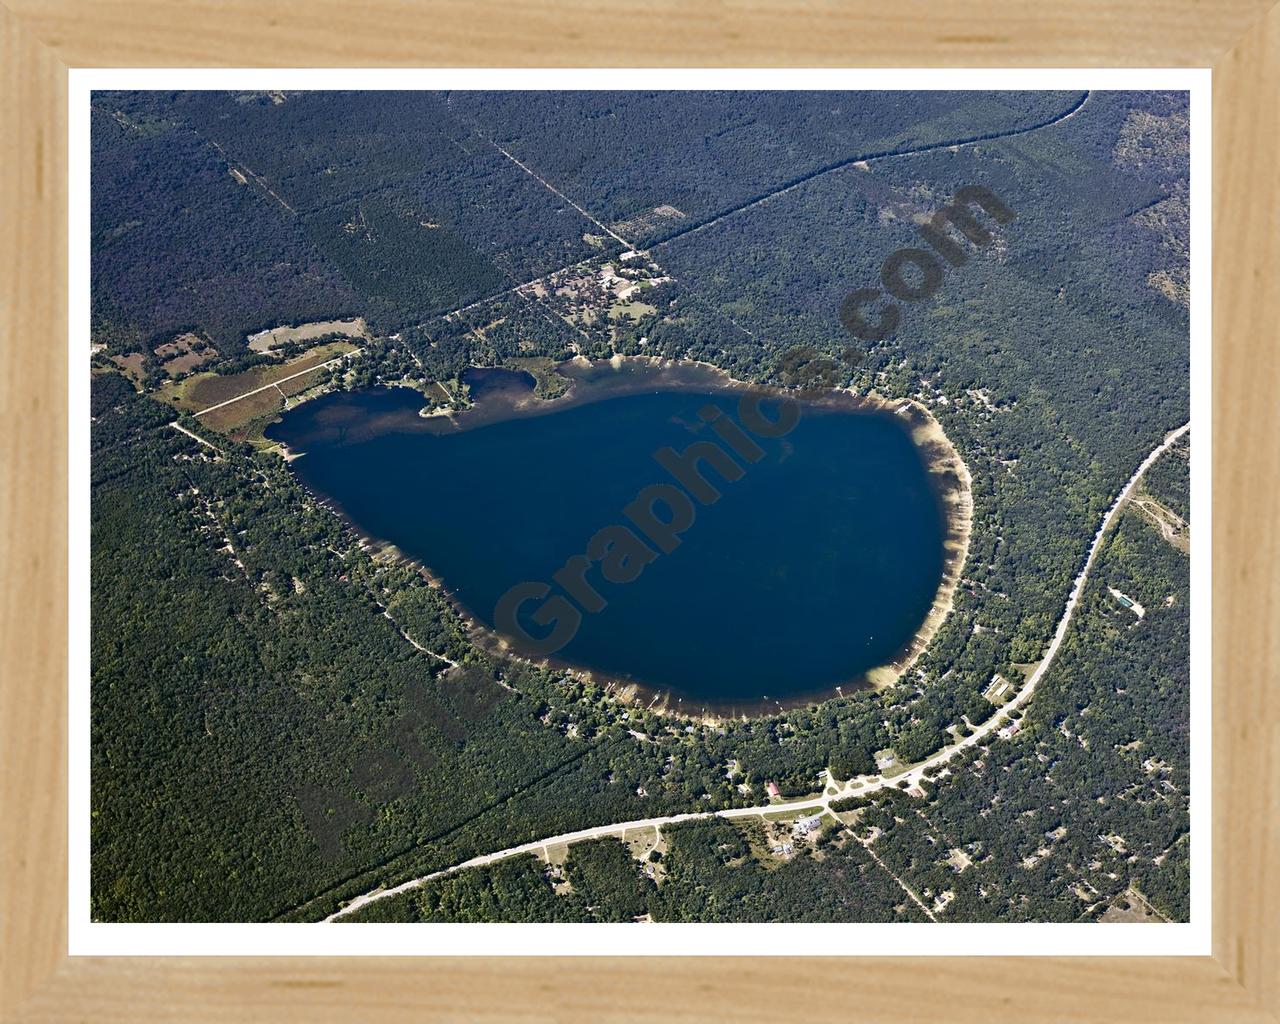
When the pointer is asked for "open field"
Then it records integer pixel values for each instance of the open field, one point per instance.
(276, 337)
(183, 354)
(246, 419)
(999, 691)
(202, 392)
(184, 363)
(641, 842)
(631, 310)
(132, 365)
(252, 407)
(435, 391)
(792, 813)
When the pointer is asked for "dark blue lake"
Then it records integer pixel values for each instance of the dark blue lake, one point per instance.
(818, 564)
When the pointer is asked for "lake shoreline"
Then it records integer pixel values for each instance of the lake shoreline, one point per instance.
(590, 382)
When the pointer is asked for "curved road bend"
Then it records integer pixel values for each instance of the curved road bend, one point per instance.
(885, 154)
(853, 787)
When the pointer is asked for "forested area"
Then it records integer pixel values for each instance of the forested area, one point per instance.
(265, 736)
(1169, 480)
(267, 742)
(655, 164)
(177, 244)
(234, 212)
(711, 875)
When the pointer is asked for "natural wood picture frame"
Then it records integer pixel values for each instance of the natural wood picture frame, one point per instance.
(1240, 39)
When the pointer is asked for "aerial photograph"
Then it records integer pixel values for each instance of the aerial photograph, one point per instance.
(640, 506)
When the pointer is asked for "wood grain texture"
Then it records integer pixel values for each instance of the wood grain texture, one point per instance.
(1246, 536)
(613, 991)
(577, 33)
(40, 38)
(33, 503)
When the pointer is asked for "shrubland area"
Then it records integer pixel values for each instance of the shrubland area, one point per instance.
(285, 717)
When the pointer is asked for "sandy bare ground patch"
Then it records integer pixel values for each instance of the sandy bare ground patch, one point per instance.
(1131, 907)
(1173, 528)
(955, 486)
(649, 220)
(276, 337)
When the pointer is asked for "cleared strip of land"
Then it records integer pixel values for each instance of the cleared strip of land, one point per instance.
(195, 437)
(266, 341)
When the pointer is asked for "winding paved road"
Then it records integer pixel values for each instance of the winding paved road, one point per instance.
(854, 787)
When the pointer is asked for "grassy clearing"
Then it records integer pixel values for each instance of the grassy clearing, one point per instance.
(183, 364)
(305, 382)
(436, 392)
(1000, 691)
(631, 310)
(183, 354)
(254, 407)
(132, 365)
(889, 771)
(253, 432)
(640, 841)
(557, 854)
(197, 393)
(253, 402)
(248, 419)
(791, 815)
(547, 383)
